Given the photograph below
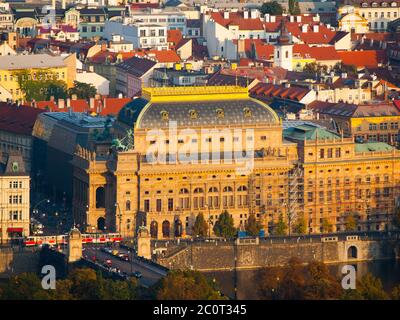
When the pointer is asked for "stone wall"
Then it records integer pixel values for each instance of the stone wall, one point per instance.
(223, 255)
(17, 261)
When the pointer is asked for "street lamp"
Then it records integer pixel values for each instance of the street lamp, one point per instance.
(209, 222)
(34, 210)
(119, 216)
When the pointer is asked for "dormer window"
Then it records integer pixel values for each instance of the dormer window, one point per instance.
(374, 4)
(364, 4)
(384, 4)
(394, 4)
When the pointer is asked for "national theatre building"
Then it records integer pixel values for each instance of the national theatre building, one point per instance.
(181, 151)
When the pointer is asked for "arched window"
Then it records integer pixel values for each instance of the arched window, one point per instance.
(128, 205)
(154, 229)
(178, 228)
(183, 191)
(101, 223)
(213, 189)
(166, 229)
(198, 199)
(242, 188)
(100, 197)
(287, 54)
(228, 189)
(184, 200)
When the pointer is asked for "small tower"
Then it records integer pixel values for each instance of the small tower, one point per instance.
(74, 245)
(143, 243)
(283, 50)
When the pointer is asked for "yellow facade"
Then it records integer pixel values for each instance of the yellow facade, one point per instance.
(127, 190)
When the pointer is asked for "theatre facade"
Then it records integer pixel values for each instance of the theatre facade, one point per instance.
(182, 151)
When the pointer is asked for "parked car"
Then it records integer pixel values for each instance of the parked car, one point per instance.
(137, 274)
(123, 256)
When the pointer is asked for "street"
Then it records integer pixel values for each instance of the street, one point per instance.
(149, 278)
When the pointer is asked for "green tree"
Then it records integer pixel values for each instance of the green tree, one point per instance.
(26, 286)
(82, 90)
(396, 293)
(313, 68)
(40, 85)
(321, 284)
(301, 226)
(339, 67)
(186, 285)
(350, 223)
(326, 226)
(253, 226)
(368, 288)
(224, 227)
(200, 226)
(281, 226)
(272, 7)
(294, 7)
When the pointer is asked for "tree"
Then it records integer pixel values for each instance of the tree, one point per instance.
(350, 223)
(253, 226)
(40, 85)
(224, 227)
(340, 68)
(82, 90)
(294, 7)
(326, 226)
(281, 226)
(396, 293)
(313, 68)
(321, 284)
(186, 285)
(26, 286)
(301, 226)
(200, 227)
(272, 8)
(368, 288)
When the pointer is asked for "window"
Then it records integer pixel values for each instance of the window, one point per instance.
(321, 153)
(158, 205)
(146, 205)
(170, 204)
(338, 152)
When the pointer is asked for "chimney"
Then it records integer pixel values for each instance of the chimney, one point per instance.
(344, 75)
(272, 19)
(266, 17)
(291, 18)
(68, 103)
(316, 28)
(52, 98)
(103, 46)
(246, 14)
(254, 13)
(74, 97)
(304, 28)
(372, 43)
(61, 103)
(298, 18)
(226, 14)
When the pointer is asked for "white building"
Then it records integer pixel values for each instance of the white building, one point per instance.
(172, 19)
(118, 44)
(283, 50)
(378, 13)
(152, 36)
(101, 84)
(14, 198)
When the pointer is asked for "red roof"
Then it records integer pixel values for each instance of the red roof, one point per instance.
(164, 56)
(174, 36)
(317, 53)
(368, 58)
(18, 120)
(269, 90)
(103, 106)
